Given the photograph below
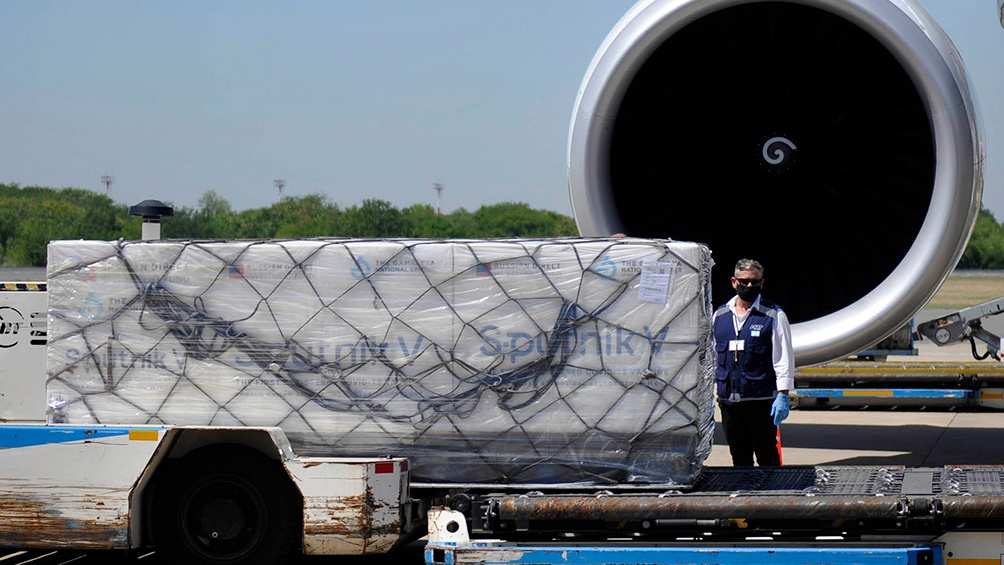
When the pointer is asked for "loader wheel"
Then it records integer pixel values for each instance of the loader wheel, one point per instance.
(227, 507)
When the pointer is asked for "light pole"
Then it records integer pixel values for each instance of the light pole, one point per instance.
(438, 187)
(107, 180)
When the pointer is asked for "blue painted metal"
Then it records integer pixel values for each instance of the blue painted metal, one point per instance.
(886, 352)
(12, 436)
(917, 393)
(612, 554)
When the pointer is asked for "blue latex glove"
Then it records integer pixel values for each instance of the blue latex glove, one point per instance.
(779, 410)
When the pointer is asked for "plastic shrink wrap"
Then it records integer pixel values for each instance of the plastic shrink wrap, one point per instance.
(506, 361)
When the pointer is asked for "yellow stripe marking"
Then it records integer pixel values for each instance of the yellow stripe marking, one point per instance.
(26, 286)
(992, 395)
(853, 392)
(143, 435)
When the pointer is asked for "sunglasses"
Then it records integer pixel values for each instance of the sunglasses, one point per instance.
(748, 282)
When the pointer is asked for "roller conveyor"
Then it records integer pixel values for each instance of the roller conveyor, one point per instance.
(804, 501)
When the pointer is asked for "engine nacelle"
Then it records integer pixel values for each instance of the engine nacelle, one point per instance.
(834, 140)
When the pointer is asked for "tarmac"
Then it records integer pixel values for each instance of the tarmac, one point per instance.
(901, 436)
(883, 436)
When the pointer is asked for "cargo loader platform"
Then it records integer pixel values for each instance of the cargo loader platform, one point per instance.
(972, 385)
(790, 503)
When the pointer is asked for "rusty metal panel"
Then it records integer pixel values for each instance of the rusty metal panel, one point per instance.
(349, 508)
(37, 514)
(69, 486)
(385, 512)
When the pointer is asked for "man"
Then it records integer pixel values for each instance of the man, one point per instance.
(755, 368)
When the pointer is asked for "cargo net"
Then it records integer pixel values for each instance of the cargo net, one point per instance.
(555, 361)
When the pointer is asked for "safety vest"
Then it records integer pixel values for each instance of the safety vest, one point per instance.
(746, 374)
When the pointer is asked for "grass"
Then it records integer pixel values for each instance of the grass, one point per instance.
(965, 290)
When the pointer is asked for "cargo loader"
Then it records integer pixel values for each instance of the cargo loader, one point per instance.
(964, 386)
(126, 488)
(821, 514)
(214, 492)
(101, 446)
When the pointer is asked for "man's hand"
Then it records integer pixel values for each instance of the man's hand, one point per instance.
(779, 410)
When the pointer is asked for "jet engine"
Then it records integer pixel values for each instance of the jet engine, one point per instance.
(836, 141)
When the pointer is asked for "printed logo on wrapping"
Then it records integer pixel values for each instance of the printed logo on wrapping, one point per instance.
(607, 266)
(657, 281)
(349, 355)
(360, 269)
(119, 358)
(515, 345)
(399, 264)
(406, 264)
(265, 272)
(162, 272)
(92, 306)
(507, 267)
(95, 305)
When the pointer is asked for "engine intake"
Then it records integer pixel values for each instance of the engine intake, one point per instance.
(834, 140)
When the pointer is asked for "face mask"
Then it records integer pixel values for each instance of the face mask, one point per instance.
(748, 293)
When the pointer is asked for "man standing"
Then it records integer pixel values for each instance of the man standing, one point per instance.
(755, 368)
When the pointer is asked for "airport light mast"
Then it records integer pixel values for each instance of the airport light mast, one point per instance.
(438, 187)
(107, 180)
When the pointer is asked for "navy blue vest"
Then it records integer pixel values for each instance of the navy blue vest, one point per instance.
(752, 376)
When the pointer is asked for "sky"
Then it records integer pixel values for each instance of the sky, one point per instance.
(353, 99)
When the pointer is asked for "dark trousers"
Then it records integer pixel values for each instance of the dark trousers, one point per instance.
(749, 429)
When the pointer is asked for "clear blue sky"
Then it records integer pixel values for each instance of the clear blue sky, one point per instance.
(348, 98)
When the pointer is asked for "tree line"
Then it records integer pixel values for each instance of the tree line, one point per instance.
(986, 246)
(32, 216)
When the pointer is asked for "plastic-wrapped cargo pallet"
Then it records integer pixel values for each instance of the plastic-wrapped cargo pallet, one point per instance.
(564, 360)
